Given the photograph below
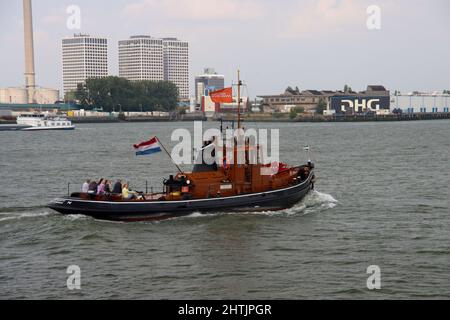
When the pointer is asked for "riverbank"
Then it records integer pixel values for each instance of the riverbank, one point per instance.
(254, 117)
(272, 118)
(186, 117)
(339, 118)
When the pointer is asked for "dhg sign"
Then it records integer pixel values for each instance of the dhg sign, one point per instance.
(359, 104)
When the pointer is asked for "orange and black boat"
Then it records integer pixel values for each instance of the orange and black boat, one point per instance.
(245, 187)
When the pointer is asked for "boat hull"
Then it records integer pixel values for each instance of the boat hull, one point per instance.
(48, 128)
(158, 210)
(13, 127)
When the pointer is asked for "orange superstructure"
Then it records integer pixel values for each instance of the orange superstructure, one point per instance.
(236, 178)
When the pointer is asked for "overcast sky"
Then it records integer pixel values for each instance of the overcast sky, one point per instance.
(312, 44)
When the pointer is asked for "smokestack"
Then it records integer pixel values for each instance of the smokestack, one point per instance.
(29, 50)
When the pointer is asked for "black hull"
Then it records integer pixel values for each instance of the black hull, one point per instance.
(158, 210)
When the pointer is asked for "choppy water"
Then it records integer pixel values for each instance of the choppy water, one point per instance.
(382, 199)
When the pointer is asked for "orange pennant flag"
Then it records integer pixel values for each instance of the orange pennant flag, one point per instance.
(222, 96)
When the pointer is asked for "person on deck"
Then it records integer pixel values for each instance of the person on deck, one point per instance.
(127, 194)
(101, 187)
(117, 189)
(107, 186)
(92, 187)
(85, 186)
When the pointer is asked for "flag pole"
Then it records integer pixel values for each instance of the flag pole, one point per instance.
(169, 155)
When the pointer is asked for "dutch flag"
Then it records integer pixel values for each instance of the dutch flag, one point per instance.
(147, 147)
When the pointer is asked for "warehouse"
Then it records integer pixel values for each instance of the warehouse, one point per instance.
(417, 102)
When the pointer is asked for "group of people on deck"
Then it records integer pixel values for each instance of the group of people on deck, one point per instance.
(105, 187)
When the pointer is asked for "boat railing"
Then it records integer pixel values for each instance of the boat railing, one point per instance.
(145, 188)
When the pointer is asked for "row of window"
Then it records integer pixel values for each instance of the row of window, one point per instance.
(139, 63)
(57, 124)
(424, 110)
(85, 40)
(291, 100)
(140, 42)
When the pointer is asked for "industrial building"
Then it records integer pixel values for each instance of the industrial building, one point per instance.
(83, 57)
(285, 102)
(20, 95)
(30, 93)
(207, 82)
(15, 109)
(417, 102)
(210, 108)
(375, 98)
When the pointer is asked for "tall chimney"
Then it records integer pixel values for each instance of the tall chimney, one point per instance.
(29, 50)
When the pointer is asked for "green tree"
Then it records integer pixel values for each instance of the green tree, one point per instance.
(289, 90)
(292, 114)
(295, 91)
(347, 88)
(81, 96)
(321, 106)
(295, 111)
(299, 109)
(120, 94)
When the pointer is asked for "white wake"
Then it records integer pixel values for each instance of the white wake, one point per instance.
(314, 202)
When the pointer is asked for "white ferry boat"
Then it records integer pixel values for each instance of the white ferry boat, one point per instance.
(39, 121)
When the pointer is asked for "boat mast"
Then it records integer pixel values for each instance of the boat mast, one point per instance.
(239, 99)
(235, 167)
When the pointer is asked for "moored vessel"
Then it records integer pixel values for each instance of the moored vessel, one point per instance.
(40, 121)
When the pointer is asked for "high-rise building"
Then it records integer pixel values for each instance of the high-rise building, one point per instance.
(207, 82)
(176, 65)
(141, 58)
(83, 57)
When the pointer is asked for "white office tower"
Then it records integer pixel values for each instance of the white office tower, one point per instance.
(83, 57)
(141, 58)
(176, 65)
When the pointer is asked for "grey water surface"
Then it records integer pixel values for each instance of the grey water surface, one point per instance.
(382, 198)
